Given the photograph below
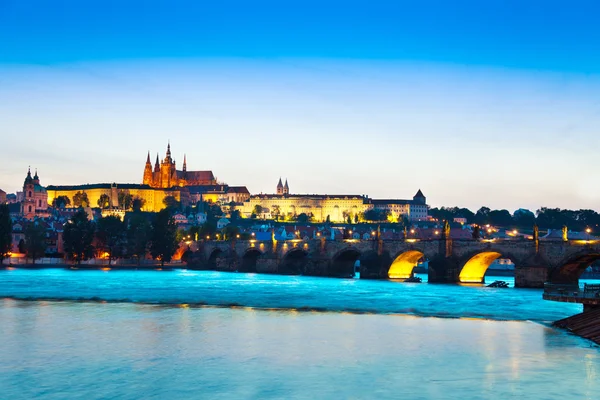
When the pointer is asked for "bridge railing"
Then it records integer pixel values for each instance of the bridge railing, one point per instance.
(587, 291)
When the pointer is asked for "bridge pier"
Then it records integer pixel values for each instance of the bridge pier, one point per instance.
(443, 270)
(267, 264)
(531, 276)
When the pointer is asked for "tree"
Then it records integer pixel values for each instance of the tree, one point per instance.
(80, 199)
(104, 201)
(163, 239)
(303, 218)
(523, 218)
(78, 236)
(35, 241)
(230, 232)
(5, 232)
(328, 220)
(138, 203)
(125, 200)
(356, 218)
(61, 202)
(110, 233)
(235, 215)
(275, 212)
(209, 228)
(476, 232)
(500, 218)
(482, 216)
(138, 236)
(171, 203)
(349, 219)
(257, 211)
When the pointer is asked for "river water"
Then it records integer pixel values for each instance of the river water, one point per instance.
(197, 334)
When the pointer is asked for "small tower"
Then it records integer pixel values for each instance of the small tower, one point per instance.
(184, 163)
(147, 171)
(36, 178)
(28, 205)
(419, 198)
(280, 187)
(286, 188)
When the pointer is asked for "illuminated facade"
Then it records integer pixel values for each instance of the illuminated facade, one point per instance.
(152, 197)
(35, 198)
(336, 208)
(165, 174)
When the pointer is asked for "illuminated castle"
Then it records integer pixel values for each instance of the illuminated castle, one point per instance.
(165, 174)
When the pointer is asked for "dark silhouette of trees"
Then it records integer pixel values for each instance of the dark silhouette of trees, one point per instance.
(5, 232)
(138, 203)
(110, 232)
(61, 202)
(104, 201)
(125, 200)
(80, 199)
(164, 237)
(35, 240)
(138, 236)
(78, 236)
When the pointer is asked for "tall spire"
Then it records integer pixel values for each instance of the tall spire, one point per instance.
(148, 159)
(157, 164)
(169, 150)
(184, 163)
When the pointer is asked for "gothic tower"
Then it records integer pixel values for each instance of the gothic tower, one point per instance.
(280, 187)
(286, 188)
(148, 172)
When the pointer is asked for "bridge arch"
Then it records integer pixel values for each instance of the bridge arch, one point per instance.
(403, 265)
(249, 260)
(570, 269)
(475, 265)
(343, 262)
(211, 261)
(294, 262)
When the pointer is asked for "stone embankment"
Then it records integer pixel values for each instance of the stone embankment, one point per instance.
(586, 325)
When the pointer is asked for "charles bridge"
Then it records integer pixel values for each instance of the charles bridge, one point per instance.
(450, 260)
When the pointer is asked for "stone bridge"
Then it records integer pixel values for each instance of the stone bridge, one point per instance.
(536, 261)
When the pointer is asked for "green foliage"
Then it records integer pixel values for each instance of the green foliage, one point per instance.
(5, 232)
(78, 236)
(138, 203)
(376, 215)
(303, 218)
(257, 210)
(138, 236)
(356, 218)
(275, 212)
(172, 204)
(125, 200)
(61, 202)
(230, 232)
(163, 238)
(235, 215)
(110, 232)
(104, 201)
(80, 199)
(209, 228)
(35, 241)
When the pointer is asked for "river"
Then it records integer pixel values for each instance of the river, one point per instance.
(198, 334)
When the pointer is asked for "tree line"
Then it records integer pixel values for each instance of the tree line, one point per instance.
(140, 234)
(544, 218)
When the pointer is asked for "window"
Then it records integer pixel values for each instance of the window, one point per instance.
(29, 208)
(30, 193)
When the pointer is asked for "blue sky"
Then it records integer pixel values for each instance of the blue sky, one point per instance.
(493, 103)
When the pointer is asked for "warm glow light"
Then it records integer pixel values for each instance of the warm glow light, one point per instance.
(437, 232)
(404, 264)
(237, 236)
(412, 231)
(208, 237)
(489, 230)
(350, 231)
(411, 240)
(253, 234)
(515, 232)
(318, 233)
(474, 270)
(588, 230)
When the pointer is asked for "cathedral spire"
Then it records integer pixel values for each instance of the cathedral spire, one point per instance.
(148, 159)
(184, 163)
(169, 150)
(157, 164)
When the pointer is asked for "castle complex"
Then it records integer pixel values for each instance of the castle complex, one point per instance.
(165, 174)
(189, 187)
(335, 208)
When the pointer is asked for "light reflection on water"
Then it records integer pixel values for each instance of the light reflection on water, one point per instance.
(174, 349)
(286, 292)
(129, 351)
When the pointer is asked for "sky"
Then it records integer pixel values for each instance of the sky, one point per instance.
(492, 103)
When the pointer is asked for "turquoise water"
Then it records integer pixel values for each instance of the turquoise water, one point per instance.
(326, 338)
